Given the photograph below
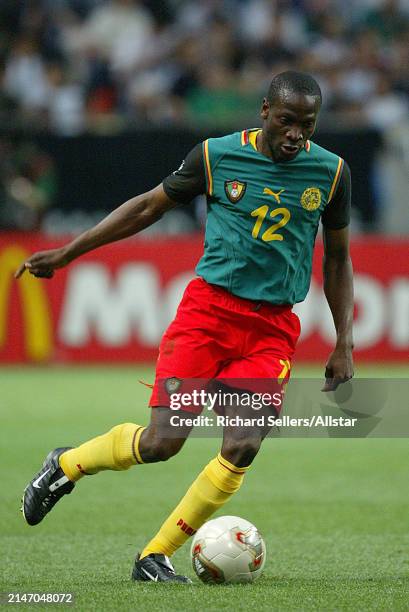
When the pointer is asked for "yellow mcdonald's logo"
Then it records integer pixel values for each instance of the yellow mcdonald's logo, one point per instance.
(35, 306)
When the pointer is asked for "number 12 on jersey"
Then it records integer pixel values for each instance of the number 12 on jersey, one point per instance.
(271, 232)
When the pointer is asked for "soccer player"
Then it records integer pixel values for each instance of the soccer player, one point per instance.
(267, 190)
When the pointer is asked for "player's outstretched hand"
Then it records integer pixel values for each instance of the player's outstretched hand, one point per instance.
(339, 369)
(43, 263)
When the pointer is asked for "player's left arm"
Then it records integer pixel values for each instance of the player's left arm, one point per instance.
(338, 281)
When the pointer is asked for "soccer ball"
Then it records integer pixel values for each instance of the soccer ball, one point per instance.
(228, 550)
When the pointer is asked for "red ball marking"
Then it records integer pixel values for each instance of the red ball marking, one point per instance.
(197, 549)
(215, 573)
(240, 537)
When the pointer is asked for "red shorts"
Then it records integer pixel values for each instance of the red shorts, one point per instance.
(217, 335)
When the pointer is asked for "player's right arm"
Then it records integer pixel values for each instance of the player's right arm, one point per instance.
(128, 219)
(131, 217)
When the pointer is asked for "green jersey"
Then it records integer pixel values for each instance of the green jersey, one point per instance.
(263, 216)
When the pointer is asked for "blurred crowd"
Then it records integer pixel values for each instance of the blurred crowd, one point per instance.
(28, 185)
(104, 66)
(87, 65)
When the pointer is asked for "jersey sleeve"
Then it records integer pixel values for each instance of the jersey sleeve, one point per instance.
(189, 180)
(337, 213)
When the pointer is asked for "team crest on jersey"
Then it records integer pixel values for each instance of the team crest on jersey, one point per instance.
(311, 198)
(235, 190)
(172, 384)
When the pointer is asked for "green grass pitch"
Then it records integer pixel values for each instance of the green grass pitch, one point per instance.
(334, 512)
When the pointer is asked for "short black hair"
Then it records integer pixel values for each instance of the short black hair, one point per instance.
(296, 82)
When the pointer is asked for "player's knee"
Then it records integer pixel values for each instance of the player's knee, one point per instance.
(241, 452)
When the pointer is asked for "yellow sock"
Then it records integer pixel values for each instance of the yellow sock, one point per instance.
(116, 450)
(211, 489)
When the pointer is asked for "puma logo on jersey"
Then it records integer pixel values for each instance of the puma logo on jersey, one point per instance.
(275, 195)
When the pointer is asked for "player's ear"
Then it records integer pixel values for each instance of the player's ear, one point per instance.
(265, 108)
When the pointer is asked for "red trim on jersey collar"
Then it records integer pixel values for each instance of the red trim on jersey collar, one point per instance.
(244, 137)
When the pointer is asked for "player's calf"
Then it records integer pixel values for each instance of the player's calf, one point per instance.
(240, 451)
(160, 441)
(154, 448)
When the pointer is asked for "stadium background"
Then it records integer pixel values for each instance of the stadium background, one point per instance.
(99, 100)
